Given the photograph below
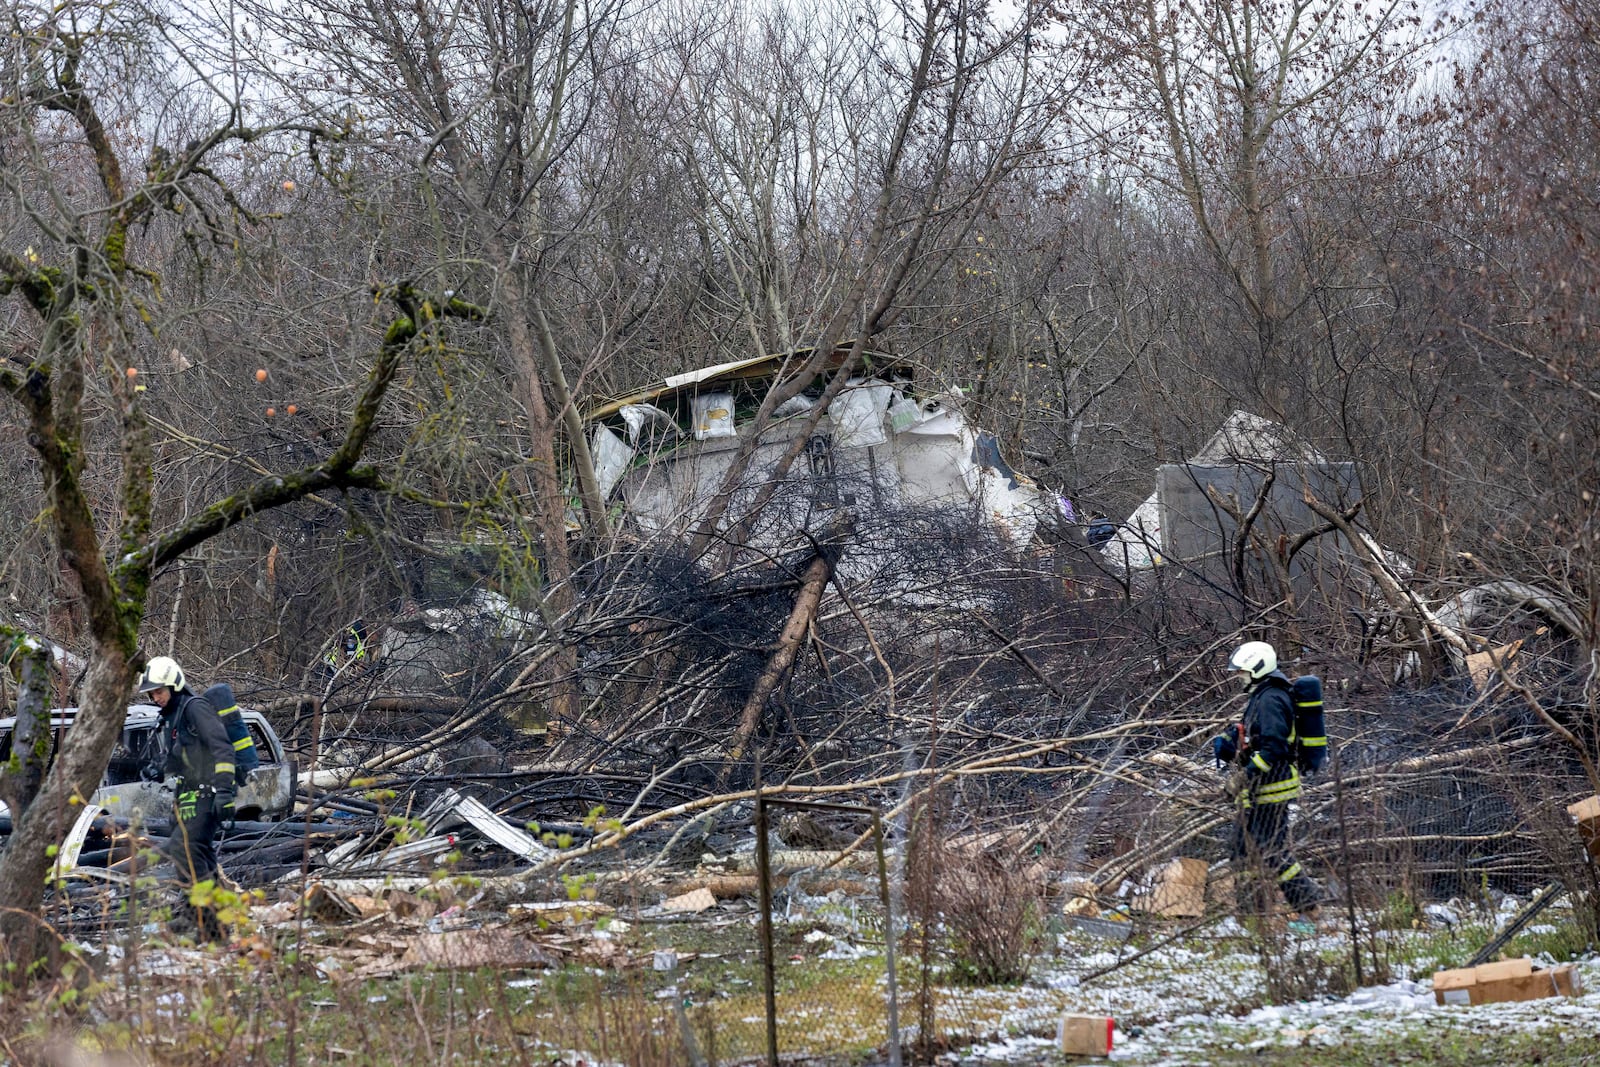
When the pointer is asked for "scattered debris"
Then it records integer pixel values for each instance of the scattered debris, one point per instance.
(694, 902)
(472, 949)
(1179, 521)
(561, 911)
(490, 825)
(664, 451)
(329, 905)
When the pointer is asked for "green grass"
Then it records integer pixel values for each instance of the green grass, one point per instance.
(249, 1012)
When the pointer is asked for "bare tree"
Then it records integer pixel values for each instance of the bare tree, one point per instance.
(1232, 108)
(840, 181)
(81, 279)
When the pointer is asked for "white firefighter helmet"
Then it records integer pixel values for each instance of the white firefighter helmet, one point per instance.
(1255, 658)
(161, 672)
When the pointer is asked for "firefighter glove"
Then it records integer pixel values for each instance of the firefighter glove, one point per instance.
(1235, 784)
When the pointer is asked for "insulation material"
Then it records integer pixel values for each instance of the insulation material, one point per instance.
(795, 405)
(639, 417)
(1009, 505)
(903, 414)
(713, 416)
(1137, 544)
(934, 461)
(611, 458)
(857, 413)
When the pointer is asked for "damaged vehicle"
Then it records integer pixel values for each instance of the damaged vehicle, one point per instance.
(268, 793)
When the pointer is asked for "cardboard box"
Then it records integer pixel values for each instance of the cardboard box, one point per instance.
(1507, 980)
(1503, 969)
(1586, 813)
(1085, 1035)
(1563, 981)
(1481, 665)
(1178, 890)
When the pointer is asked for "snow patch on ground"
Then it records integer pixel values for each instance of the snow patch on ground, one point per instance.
(1177, 1003)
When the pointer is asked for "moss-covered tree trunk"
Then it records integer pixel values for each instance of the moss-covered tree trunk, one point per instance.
(22, 775)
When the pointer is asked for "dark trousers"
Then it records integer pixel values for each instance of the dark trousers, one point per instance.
(1261, 853)
(193, 844)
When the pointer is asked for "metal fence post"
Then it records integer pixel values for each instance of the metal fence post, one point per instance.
(888, 942)
(764, 893)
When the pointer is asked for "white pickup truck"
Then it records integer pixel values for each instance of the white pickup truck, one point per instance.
(268, 794)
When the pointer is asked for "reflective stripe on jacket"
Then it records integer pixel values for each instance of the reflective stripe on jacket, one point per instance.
(197, 745)
(1269, 729)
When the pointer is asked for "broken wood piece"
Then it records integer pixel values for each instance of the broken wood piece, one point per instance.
(722, 886)
(329, 905)
(1586, 813)
(471, 949)
(734, 886)
(813, 583)
(1482, 665)
(788, 860)
(694, 902)
(559, 911)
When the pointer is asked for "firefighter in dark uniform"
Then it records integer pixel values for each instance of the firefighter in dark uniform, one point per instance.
(195, 747)
(1263, 745)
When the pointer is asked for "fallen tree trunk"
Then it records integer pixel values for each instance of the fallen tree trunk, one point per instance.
(815, 580)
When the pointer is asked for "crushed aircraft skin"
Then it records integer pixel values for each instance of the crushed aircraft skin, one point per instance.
(665, 451)
(1141, 541)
